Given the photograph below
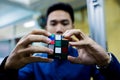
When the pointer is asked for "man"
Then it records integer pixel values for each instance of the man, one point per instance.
(87, 60)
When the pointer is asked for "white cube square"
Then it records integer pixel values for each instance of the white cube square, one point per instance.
(57, 50)
(57, 37)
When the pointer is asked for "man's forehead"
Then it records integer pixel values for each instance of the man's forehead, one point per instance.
(58, 14)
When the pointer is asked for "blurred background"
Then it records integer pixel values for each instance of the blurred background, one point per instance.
(19, 17)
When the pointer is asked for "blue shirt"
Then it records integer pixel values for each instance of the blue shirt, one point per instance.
(60, 70)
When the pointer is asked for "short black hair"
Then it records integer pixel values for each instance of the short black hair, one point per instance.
(61, 6)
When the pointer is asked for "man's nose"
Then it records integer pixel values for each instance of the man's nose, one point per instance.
(59, 29)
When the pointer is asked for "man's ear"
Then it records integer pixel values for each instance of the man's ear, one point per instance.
(42, 21)
(45, 27)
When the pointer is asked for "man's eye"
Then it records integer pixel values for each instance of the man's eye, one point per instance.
(53, 23)
(65, 23)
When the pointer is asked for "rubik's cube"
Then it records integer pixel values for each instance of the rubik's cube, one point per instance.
(60, 47)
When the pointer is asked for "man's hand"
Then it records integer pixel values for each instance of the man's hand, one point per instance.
(22, 53)
(89, 52)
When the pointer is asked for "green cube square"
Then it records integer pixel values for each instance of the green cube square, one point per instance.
(58, 43)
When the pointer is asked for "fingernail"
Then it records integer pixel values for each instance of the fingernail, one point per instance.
(63, 34)
(48, 40)
(49, 33)
(50, 60)
(51, 51)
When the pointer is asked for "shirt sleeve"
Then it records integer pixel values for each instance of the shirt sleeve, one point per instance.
(7, 74)
(112, 71)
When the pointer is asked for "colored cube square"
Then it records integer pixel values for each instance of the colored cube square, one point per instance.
(58, 37)
(58, 43)
(57, 50)
(52, 42)
(64, 56)
(64, 50)
(51, 46)
(64, 43)
(52, 37)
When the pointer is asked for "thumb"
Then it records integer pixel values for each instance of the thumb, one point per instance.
(79, 43)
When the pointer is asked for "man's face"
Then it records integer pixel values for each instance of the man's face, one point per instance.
(58, 22)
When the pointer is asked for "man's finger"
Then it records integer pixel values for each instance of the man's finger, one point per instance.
(79, 43)
(41, 32)
(73, 59)
(38, 59)
(34, 38)
(35, 49)
(75, 32)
